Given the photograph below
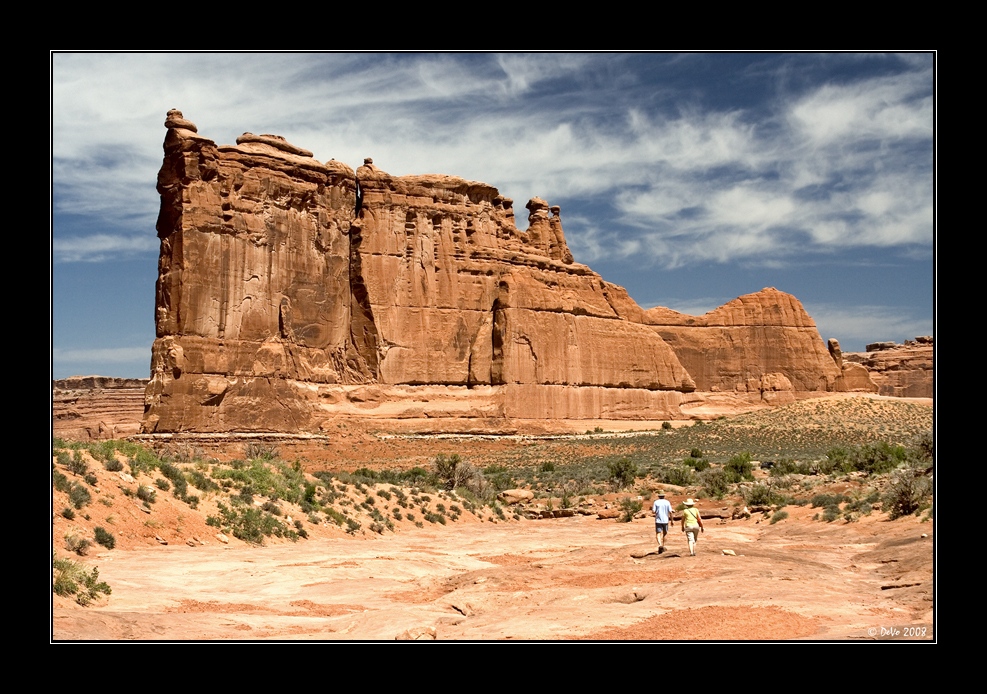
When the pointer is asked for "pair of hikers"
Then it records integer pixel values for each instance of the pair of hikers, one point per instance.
(692, 522)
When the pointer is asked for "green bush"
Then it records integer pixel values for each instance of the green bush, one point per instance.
(779, 516)
(71, 578)
(696, 453)
(68, 513)
(105, 538)
(79, 495)
(146, 494)
(678, 475)
(629, 508)
(112, 464)
(761, 495)
(739, 468)
(621, 473)
(907, 494)
(666, 425)
(715, 482)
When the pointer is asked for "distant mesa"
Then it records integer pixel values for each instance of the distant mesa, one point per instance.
(293, 292)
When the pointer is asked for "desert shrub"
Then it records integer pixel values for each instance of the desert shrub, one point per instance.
(201, 482)
(629, 508)
(906, 494)
(679, 475)
(79, 495)
(621, 473)
(715, 482)
(455, 472)
(824, 500)
(831, 513)
(696, 453)
(112, 464)
(146, 494)
(272, 508)
(352, 526)
(71, 578)
(252, 524)
(778, 516)
(666, 425)
(739, 468)
(68, 513)
(787, 466)
(78, 466)
(260, 451)
(177, 478)
(60, 482)
(105, 538)
(548, 467)
(761, 495)
(79, 545)
(697, 464)
(162, 484)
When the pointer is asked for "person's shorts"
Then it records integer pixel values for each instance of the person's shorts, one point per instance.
(661, 527)
(692, 532)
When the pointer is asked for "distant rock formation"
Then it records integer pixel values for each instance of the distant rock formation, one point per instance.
(899, 370)
(292, 291)
(91, 408)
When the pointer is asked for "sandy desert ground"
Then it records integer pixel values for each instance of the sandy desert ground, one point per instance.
(555, 579)
(571, 578)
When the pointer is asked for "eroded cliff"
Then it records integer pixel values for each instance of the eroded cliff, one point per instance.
(292, 291)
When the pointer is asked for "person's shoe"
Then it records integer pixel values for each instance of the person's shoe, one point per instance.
(661, 550)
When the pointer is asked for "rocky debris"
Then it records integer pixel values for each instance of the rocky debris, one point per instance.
(515, 496)
(417, 634)
(896, 370)
(292, 291)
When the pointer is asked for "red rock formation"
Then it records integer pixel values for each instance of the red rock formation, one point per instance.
(763, 342)
(91, 408)
(291, 291)
(899, 370)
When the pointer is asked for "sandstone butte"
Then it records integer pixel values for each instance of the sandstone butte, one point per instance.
(292, 292)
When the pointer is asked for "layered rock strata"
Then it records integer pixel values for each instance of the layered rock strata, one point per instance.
(291, 291)
(896, 370)
(90, 408)
(758, 343)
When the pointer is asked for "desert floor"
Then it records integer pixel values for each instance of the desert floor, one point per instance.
(560, 579)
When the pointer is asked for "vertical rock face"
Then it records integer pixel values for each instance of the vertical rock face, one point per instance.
(290, 290)
(754, 343)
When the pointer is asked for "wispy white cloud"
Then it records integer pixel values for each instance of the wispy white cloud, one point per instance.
(830, 167)
(115, 355)
(99, 247)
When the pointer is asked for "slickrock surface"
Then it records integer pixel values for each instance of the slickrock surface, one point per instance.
(291, 292)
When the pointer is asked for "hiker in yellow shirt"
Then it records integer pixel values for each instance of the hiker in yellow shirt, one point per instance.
(692, 524)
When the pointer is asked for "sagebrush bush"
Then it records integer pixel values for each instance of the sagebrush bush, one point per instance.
(739, 468)
(105, 538)
(629, 508)
(79, 495)
(715, 482)
(621, 473)
(907, 494)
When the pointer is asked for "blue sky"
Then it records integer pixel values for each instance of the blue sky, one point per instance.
(689, 179)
